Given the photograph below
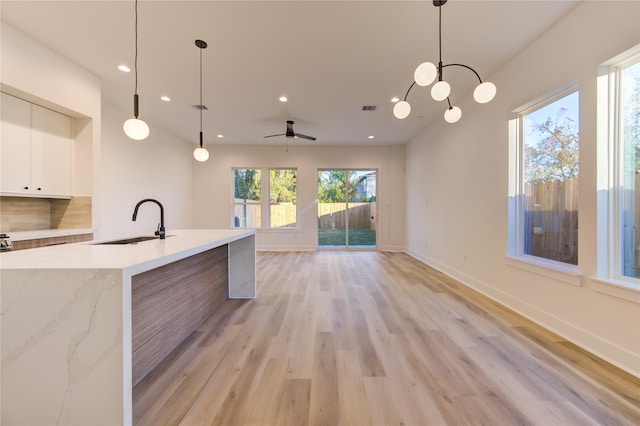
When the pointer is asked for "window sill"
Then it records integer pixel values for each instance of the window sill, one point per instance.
(558, 271)
(617, 288)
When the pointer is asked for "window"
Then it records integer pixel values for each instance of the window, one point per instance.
(282, 198)
(619, 180)
(544, 186)
(247, 196)
(249, 202)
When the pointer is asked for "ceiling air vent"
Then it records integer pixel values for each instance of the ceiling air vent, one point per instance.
(369, 107)
(201, 107)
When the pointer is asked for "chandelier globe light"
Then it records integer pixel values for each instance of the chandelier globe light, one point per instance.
(427, 72)
(484, 92)
(402, 109)
(440, 91)
(134, 127)
(201, 154)
(453, 114)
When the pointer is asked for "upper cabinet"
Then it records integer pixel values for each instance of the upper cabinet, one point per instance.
(15, 145)
(35, 148)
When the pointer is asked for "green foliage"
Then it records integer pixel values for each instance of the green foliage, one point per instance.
(247, 184)
(555, 156)
(282, 186)
(332, 187)
(337, 237)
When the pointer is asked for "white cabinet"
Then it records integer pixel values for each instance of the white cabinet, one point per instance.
(36, 150)
(15, 145)
(50, 152)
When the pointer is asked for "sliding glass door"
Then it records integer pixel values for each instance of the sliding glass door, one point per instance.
(347, 209)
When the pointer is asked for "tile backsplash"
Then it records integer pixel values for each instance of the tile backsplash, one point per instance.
(33, 214)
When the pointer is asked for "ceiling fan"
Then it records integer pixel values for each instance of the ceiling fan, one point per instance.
(291, 134)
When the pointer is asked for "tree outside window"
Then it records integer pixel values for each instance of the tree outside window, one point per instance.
(550, 147)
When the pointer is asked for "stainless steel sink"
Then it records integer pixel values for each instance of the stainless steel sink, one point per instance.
(133, 240)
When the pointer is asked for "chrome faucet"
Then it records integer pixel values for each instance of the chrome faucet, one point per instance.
(160, 231)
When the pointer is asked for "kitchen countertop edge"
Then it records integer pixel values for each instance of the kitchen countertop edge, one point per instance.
(131, 258)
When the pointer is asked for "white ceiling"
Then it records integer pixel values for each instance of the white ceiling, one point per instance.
(328, 57)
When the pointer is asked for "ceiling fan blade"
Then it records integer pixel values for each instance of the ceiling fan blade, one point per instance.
(300, 135)
(273, 136)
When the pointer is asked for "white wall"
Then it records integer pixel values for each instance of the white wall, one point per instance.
(213, 190)
(457, 187)
(159, 167)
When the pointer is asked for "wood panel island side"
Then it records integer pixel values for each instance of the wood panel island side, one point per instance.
(82, 323)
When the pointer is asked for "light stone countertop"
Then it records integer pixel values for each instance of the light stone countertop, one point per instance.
(66, 322)
(134, 258)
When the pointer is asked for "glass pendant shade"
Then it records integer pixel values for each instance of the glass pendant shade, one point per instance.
(484, 92)
(453, 114)
(401, 109)
(201, 154)
(440, 91)
(136, 129)
(425, 74)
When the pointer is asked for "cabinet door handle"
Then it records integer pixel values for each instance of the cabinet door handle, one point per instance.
(39, 189)
(26, 187)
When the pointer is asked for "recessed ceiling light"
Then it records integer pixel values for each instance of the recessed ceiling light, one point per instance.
(371, 137)
(395, 99)
(221, 136)
(124, 68)
(165, 98)
(283, 99)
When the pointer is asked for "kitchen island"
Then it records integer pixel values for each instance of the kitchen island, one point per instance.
(81, 323)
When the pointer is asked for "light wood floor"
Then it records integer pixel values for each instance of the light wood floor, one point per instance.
(358, 338)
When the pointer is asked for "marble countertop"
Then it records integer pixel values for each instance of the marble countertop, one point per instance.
(134, 258)
(67, 321)
(45, 233)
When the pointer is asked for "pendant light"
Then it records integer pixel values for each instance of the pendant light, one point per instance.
(201, 154)
(135, 128)
(426, 73)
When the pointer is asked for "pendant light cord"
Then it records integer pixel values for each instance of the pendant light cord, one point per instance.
(135, 60)
(440, 32)
(201, 104)
(201, 44)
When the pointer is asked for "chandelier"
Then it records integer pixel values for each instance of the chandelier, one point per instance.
(427, 72)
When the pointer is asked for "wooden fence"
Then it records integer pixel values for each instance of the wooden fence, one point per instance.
(330, 215)
(334, 215)
(551, 220)
(283, 215)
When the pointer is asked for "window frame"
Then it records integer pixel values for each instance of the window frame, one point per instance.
(516, 256)
(610, 276)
